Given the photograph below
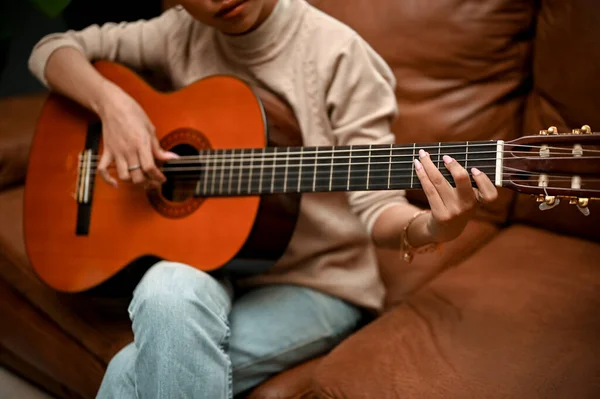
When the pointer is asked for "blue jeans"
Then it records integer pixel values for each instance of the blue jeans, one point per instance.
(193, 340)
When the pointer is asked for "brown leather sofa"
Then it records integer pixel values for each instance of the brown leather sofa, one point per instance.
(508, 310)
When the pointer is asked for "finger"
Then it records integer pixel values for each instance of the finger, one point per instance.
(122, 171)
(161, 154)
(461, 178)
(435, 201)
(105, 162)
(149, 166)
(137, 175)
(445, 190)
(488, 190)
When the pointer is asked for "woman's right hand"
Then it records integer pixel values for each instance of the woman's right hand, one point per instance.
(129, 140)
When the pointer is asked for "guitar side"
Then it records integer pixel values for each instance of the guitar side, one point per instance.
(75, 247)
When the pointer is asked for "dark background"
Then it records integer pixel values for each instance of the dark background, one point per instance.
(28, 25)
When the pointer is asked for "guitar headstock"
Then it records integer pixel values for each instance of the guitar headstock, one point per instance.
(553, 166)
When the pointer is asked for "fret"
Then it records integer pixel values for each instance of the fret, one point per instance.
(358, 167)
(309, 163)
(369, 167)
(257, 157)
(380, 167)
(287, 163)
(241, 167)
(467, 155)
(403, 167)
(390, 167)
(314, 184)
(262, 170)
(331, 158)
(324, 169)
(251, 165)
(341, 169)
(222, 170)
(279, 170)
(412, 166)
(248, 163)
(213, 170)
(206, 168)
(293, 170)
(300, 170)
(271, 164)
(231, 170)
(451, 151)
(349, 168)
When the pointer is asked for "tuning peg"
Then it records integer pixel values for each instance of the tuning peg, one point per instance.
(549, 202)
(582, 205)
(550, 130)
(583, 202)
(585, 129)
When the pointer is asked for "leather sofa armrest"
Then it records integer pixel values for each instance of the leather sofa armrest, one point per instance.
(295, 383)
(18, 118)
(13, 163)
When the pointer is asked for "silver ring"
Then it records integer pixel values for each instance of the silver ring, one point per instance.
(134, 167)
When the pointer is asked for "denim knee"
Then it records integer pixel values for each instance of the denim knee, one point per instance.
(118, 380)
(168, 290)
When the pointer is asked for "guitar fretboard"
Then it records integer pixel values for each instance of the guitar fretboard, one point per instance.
(236, 172)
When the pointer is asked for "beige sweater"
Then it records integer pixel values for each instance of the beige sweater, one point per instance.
(341, 91)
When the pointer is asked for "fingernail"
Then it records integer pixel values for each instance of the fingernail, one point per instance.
(418, 165)
(475, 171)
(172, 155)
(422, 153)
(447, 159)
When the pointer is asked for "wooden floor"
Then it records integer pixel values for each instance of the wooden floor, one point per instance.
(13, 387)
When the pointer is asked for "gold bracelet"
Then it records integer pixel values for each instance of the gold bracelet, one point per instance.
(408, 251)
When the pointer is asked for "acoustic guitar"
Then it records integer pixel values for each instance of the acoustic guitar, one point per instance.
(231, 201)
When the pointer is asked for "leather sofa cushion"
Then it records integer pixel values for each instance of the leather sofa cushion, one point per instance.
(295, 383)
(518, 319)
(18, 116)
(102, 326)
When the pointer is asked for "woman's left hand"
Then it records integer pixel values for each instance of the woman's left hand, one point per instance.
(451, 207)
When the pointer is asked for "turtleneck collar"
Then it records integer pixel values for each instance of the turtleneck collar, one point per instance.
(269, 38)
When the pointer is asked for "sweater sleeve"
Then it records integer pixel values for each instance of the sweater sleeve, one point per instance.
(139, 45)
(361, 104)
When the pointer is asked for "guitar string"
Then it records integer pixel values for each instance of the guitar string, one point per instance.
(253, 186)
(382, 174)
(201, 158)
(276, 168)
(326, 187)
(384, 177)
(244, 152)
(342, 176)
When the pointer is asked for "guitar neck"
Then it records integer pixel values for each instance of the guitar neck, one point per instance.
(235, 172)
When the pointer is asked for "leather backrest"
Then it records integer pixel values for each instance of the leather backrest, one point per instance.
(462, 66)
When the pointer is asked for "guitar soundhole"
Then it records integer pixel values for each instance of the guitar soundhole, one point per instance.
(175, 199)
(179, 187)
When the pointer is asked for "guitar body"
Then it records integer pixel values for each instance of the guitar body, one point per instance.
(119, 233)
